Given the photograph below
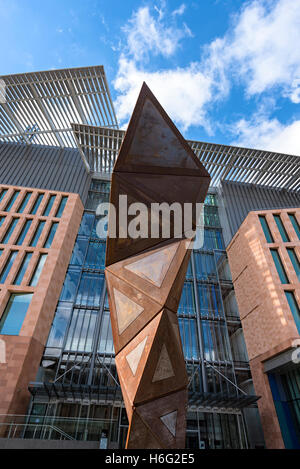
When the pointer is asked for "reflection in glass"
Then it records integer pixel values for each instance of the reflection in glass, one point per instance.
(12, 201)
(61, 206)
(38, 270)
(25, 202)
(23, 268)
(10, 230)
(187, 301)
(81, 331)
(79, 251)
(49, 205)
(70, 285)
(51, 235)
(36, 204)
(59, 326)
(14, 314)
(90, 289)
(24, 232)
(38, 233)
(95, 258)
(8, 265)
(86, 224)
(105, 344)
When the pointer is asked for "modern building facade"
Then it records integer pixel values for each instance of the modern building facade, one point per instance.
(59, 139)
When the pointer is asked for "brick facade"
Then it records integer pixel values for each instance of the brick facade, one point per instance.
(268, 324)
(24, 351)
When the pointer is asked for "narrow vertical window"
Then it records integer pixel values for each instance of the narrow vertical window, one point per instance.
(12, 201)
(3, 194)
(14, 314)
(38, 270)
(1, 251)
(294, 307)
(37, 203)
(49, 205)
(10, 230)
(281, 229)
(294, 261)
(51, 235)
(24, 232)
(38, 233)
(295, 223)
(61, 206)
(279, 266)
(25, 202)
(266, 229)
(23, 268)
(8, 265)
(2, 220)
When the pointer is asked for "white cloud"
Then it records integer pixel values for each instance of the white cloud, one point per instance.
(262, 48)
(180, 10)
(268, 134)
(147, 34)
(183, 92)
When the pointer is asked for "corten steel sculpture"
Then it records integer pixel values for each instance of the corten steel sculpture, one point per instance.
(145, 277)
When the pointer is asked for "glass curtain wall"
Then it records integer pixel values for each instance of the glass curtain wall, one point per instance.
(79, 356)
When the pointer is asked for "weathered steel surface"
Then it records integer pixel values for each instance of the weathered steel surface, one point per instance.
(145, 275)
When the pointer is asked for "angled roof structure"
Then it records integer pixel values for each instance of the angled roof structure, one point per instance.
(100, 146)
(40, 106)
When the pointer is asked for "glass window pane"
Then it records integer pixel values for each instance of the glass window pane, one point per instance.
(2, 220)
(294, 260)
(14, 314)
(86, 224)
(70, 285)
(3, 194)
(23, 268)
(279, 266)
(266, 229)
(294, 307)
(187, 302)
(38, 233)
(281, 229)
(10, 230)
(25, 202)
(59, 326)
(37, 203)
(38, 270)
(79, 251)
(49, 205)
(8, 265)
(90, 289)
(95, 258)
(12, 201)
(24, 232)
(51, 235)
(61, 206)
(105, 344)
(295, 224)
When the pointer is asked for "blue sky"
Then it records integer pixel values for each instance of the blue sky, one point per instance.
(226, 71)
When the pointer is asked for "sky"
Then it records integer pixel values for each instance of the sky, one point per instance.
(226, 71)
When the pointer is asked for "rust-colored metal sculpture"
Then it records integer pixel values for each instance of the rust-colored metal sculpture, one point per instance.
(145, 276)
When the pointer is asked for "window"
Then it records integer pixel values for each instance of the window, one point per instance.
(212, 239)
(290, 296)
(281, 228)
(12, 201)
(59, 326)
(10, 230)
(82, 328)
(38, 233)
(37, 204)
(90, 289)
(14, 314)
(38, 270)
(210, 301)
(51, 235)
(86, 224)
(189, 338)
(205, 266)
(95, 258)
(24, 232)
(8, 265)
(25, 202)
(79, 251)
(187, 301)
(295, 223)
(61, 206)
(49, 205)
(210, 199)
(70, 285)
(2, 220)
(294, 261)
(266, 229)
(3, 194)
(23, 268)
(279, 266)
(211, 216)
